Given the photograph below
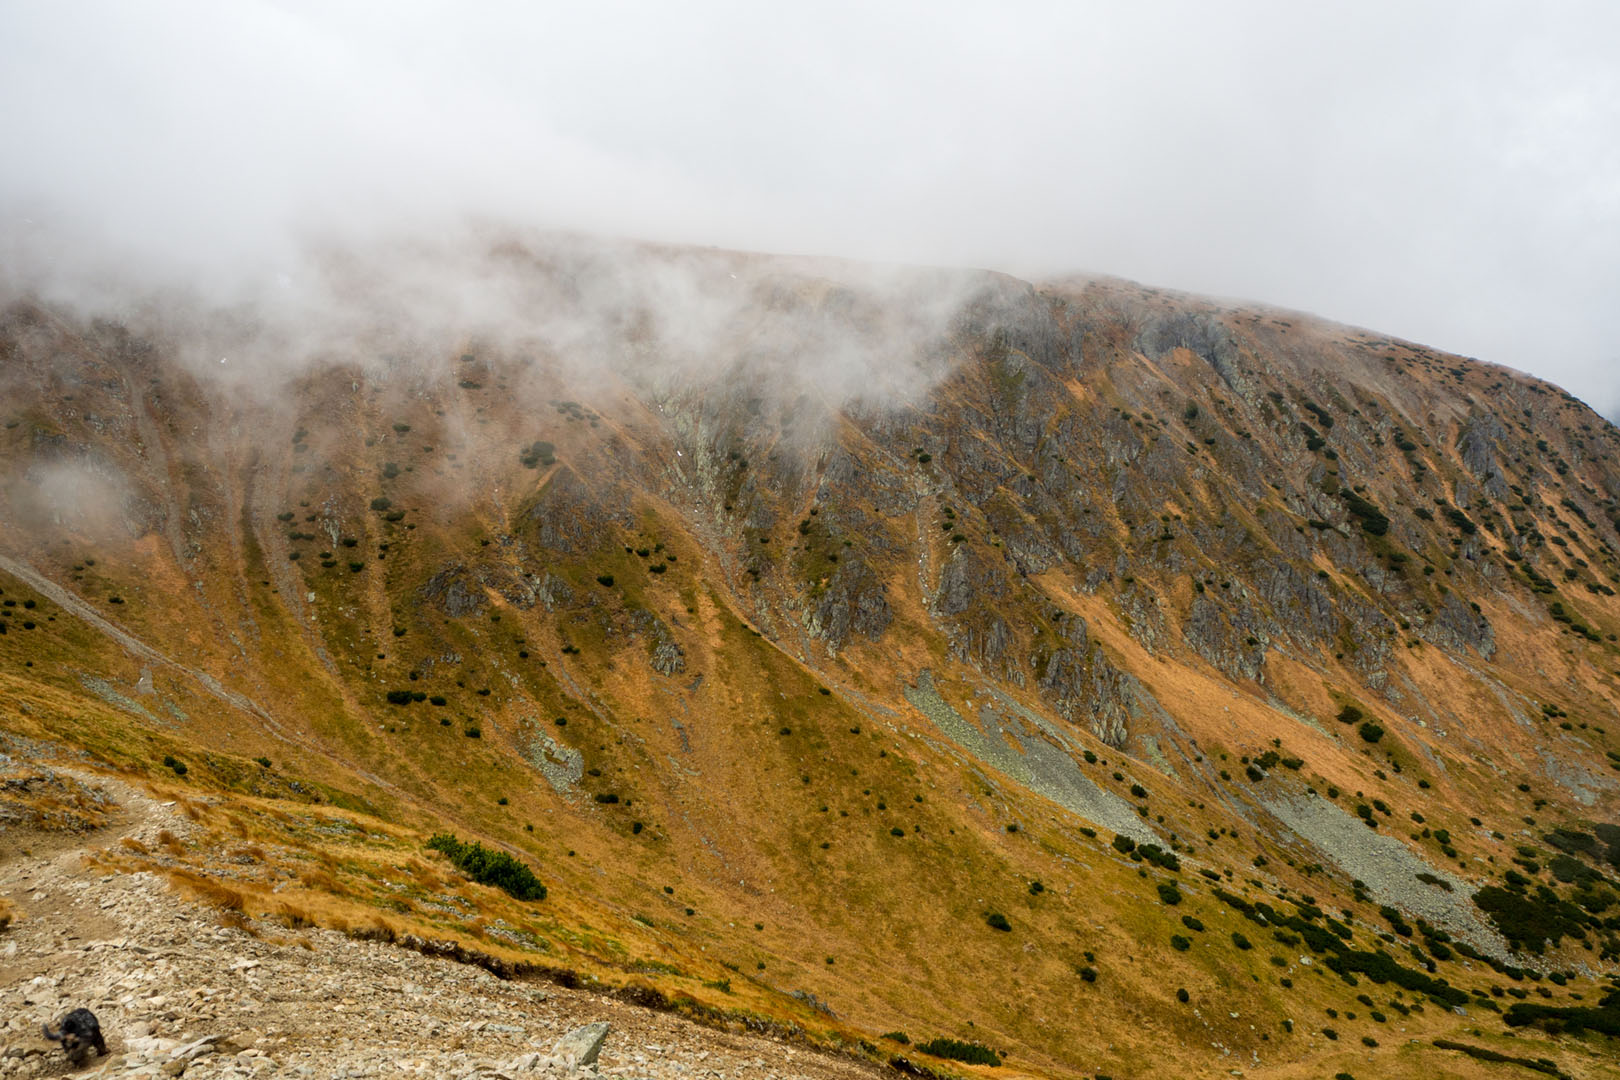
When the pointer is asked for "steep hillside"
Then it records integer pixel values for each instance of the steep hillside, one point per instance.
(1116, 680)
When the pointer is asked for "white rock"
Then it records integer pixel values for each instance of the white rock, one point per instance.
(582, 1045)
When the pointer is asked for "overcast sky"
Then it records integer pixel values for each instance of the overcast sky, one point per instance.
(1447, 172)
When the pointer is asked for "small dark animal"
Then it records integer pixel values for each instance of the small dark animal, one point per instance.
(78, 1031)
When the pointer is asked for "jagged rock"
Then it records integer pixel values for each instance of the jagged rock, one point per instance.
(664, 653)
(455, 591)
(1078, 680)
(1219, 636)
(583, 1044)
(1477, 446)
(853, 603)
(1457, 626)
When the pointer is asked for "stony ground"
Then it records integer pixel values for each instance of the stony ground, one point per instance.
(179, 994)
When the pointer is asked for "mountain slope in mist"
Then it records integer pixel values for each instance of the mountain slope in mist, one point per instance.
(854, 652)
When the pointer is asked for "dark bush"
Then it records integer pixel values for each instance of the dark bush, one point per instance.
(951, 1049)
(490, 867)
(1182, 995)
(997, 921)
(1156, 855)
(1370, 732)
(1124, 844)
(1372, 519)
(399, 697)
(1240, 941)
(1169, 893)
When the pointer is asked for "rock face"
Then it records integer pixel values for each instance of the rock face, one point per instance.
(456, 592)
(664, 653)
(853, 603)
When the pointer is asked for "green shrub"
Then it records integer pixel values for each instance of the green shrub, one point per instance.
(1370, 732)
(1180, 943)
(263, 761)
(488, 867)
(1373, 520)
(953, 1050)
(1156, 855)
(896, 1036)
(605, 580)
(1240, 941)
(176, 764)
(1192, 922)
(997, 921)
(1169, 893)
(1124, 844)
(1089, 974)
(1182, 995)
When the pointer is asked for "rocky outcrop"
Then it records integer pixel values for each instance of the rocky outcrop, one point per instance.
(1217, 633)
(664, 653)
(573, 517)
(455, 590)
(852, 603)
(1456, 626)
(1084, 688)
(1478, 448)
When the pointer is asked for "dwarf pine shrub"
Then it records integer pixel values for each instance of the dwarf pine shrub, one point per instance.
(489, 867)
(955, 1050)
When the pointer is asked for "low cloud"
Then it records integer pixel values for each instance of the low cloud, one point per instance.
(1440, 178)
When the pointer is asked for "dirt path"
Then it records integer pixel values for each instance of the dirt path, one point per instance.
(178, 993)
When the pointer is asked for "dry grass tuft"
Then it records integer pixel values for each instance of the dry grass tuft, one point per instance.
(171, 843)
(425, 875)
(375, 929)
(319, 880)
(209, 891)
(129, 843)
(236, 920)
(7, 913)
(293, 917)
